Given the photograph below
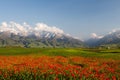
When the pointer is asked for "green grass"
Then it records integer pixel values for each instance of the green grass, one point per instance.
(100, 53)
(18, 51)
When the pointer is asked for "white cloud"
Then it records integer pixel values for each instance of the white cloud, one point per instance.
(44, 27)
(94, 35)
(25, 29)
(4, 24)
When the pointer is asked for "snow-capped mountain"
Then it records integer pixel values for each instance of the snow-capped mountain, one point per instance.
(109, 39)
(41, 35)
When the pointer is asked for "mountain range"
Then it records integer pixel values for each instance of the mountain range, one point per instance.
(109, 40)
(13, 34)
(42, 35)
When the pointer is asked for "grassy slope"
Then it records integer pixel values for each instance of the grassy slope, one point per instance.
(114, 54)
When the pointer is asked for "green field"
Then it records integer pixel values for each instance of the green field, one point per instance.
(100, 53)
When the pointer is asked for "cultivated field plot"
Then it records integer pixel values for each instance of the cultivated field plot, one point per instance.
(59, 64)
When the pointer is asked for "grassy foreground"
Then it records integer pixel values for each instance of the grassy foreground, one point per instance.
(59, 64)
(65, 52)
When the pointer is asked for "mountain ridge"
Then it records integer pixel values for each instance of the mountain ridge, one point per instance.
(109, 40)
(42, 35)
(34, 41)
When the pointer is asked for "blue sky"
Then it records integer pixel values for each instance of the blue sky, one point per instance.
(79, 18)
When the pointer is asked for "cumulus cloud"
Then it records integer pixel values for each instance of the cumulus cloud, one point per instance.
(4, 24)
(44, 27)
(94, 35)
(25, 29)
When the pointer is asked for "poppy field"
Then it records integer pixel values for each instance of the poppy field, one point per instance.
(60, 67)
